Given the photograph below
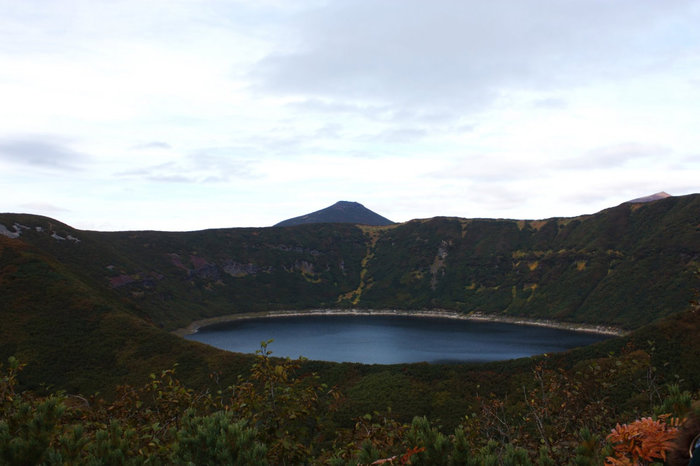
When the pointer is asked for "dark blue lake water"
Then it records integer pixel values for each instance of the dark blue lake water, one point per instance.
(390, 339)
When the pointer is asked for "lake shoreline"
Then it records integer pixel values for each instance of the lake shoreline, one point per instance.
(437, 313)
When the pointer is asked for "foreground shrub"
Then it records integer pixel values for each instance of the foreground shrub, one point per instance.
(279, 415)
(642, 441)
(217, 439)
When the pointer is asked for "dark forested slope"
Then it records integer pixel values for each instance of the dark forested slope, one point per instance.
(78, 337)
(626, 266)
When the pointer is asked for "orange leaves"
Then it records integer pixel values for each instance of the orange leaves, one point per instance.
(642, 440)
(403, 459)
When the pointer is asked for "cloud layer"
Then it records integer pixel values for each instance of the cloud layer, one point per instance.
(41, 152)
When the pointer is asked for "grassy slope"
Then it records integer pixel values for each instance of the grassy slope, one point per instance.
(75, 339)
(626, 266)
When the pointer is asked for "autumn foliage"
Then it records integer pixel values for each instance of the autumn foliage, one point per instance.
(642, 441)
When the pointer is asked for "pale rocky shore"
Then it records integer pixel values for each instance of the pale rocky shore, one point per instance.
(435, 313)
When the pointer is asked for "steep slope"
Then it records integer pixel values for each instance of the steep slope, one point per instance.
(340, 212)
(79, 338)
(625, 266)
(173, 278)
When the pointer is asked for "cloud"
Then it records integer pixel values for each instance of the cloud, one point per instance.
(152, 145)
(41, 151)
(399, 136)
(611, 192)
(173, 178)
(553, 103)
(212, 165)
(342, 107)
(618, 155)
(456, 57)
(222, 163)
(499, 168)
(461, 108)
(43, 207)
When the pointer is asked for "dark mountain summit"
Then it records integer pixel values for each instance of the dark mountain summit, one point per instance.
(340, 212)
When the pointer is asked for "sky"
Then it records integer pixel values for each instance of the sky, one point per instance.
(184, 115)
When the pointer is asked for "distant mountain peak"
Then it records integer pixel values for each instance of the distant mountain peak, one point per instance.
(340, 212)
(653, 197)
(346, 205)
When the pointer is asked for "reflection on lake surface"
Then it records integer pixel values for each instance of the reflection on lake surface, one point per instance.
(390, 339)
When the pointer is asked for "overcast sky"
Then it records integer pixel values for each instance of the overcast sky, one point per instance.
(182, 115)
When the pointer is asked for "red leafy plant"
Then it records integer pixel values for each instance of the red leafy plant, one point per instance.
(642, 441)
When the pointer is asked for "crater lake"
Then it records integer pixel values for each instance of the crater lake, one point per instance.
(381, 339)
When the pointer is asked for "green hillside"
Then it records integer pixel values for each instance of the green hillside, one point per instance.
(80, 338)
(625, 266)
